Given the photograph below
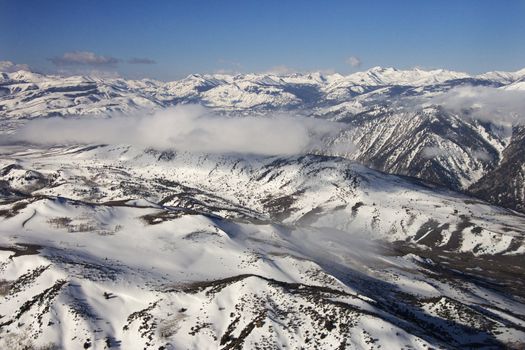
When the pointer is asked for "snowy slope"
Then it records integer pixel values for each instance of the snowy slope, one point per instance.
(26, 94)
(120, 247)
(115, 246)
(387, 112)
(414, 77)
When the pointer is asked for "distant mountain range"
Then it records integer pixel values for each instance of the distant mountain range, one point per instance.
(425, 140)
(125, 246)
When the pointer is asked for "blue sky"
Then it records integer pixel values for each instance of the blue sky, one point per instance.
(170, 39)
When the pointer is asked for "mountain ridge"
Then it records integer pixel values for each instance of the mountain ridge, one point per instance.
(128, 246)
(394, 126)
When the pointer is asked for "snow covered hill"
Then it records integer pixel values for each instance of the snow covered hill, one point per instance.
(397, 119)
(29, 95)
(116, 246)
(121, 247)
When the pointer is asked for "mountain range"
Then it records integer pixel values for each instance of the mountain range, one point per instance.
(401, 230)
(395, 118)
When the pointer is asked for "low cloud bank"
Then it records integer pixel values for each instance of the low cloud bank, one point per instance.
(490, 104)
(431, 152)
(190, 128)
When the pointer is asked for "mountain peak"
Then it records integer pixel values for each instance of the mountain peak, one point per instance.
(382, 69)
(393, 76)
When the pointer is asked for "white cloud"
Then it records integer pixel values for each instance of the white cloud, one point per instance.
(484, 103)
(430, 152)
(482, 155)
(354, 61)
(189, 128)
(9, 67)
(83, 58)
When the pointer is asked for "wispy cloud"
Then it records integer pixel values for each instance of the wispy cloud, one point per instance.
(484, 103)
(9, 67)
(190, 128)
(85, 58)
(431, 152)
(354, 61)
(141, 60)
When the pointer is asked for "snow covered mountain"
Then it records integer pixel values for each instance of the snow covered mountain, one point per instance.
(119, 246)
(26, 94)
(395, 117)
(390, 76)
(506, 183)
